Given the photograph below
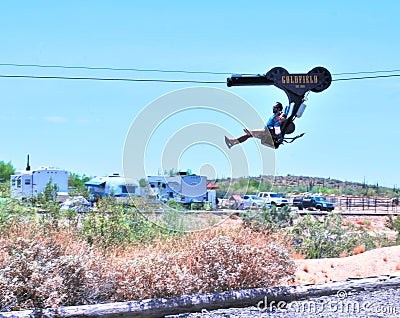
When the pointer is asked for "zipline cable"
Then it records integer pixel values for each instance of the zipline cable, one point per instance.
(165, 80)
(111, 79)
(166, 71)
(114, 69)
(365, 77)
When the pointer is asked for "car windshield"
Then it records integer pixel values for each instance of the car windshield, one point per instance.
(254, 197)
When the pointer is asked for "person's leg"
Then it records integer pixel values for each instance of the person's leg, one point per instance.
(234, 141)
(249, 134)
(256, 133)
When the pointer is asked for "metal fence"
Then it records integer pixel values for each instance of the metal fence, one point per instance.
(366, 204)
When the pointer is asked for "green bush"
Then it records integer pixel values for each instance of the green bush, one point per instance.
(316, 238)
(6, 170)
(268, 219)
(5, 189)
(394, 224)
(118, 224)
(14, 214)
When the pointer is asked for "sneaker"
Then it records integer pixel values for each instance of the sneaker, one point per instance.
(228, 142)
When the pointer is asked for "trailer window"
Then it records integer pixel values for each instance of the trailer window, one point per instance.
(131, 189)
(27, 181)
(123, 189)
(19, 182)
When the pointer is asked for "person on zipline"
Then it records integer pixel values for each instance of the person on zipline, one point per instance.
(271, 128)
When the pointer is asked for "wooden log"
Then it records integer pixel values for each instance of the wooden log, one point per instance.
(211, 301)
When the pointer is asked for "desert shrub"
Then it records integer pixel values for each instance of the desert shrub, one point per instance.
(394, 224)
(175, 205)
(8, 215)
(208, 263)
(118, 224)
(5, 189)
(48, 198)
(268, 219)
(40, 274)
(112, 224)
(315, 238)
(13, 214)
(181, 221)
(175, 219)
(366, 222)
(57, 258)
(60, 270)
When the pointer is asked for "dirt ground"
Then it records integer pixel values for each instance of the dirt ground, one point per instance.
(380, 261)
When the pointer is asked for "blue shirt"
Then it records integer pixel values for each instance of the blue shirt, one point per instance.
(271, 123)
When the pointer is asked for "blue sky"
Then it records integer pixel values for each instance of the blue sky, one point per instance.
(81, 125)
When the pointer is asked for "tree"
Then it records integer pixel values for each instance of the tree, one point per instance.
(6, 170)
(77, 181)
(143, 183)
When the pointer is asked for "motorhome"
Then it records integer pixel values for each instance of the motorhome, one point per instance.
(29, 183)
(113, 185)
(182, 188)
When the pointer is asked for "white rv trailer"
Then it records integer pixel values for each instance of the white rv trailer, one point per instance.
(114, 185)
(182, 188)
(29, 183)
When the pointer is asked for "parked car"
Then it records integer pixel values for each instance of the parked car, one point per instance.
(316, 202)
(254, 201)
(274, 198)
(298, 202)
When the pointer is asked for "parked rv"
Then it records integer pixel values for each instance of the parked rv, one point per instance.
(114, 185)
(182, 188)
(29, 183)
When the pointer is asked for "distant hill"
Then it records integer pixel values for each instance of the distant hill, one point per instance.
(291, 183)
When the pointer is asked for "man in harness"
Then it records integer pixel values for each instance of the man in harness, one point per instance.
(296, 86)
(272, 129)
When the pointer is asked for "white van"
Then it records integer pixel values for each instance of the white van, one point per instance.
(274, 198)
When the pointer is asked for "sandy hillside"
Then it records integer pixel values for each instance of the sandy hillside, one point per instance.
(380, 261)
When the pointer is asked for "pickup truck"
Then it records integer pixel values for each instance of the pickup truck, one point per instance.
(274, 198)
(315, 202)
(251, 201)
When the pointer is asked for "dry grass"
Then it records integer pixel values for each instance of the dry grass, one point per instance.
(39, 271)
